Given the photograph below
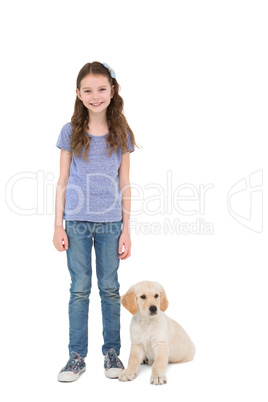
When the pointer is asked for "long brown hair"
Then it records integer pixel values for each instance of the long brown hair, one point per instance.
(117, 123)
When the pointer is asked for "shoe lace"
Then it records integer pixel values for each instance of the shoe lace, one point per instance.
(113, 359)
(71, 362)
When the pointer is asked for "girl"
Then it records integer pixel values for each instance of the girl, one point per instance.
(94, 176)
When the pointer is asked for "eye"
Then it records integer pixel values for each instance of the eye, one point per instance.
(143, 297)
(156, 296)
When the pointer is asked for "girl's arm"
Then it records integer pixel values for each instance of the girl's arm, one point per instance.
(126, 205)
(60, 234)
(65, 162)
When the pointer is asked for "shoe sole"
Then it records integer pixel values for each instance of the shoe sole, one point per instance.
(68, 377)
(112, 373)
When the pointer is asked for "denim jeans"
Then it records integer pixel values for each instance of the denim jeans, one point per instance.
(105, 237)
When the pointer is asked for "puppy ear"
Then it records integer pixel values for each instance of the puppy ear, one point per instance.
(129, 301)
(163, 301)
(163, 298)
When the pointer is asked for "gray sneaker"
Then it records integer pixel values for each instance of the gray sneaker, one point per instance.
(112, 364)
(73, 369)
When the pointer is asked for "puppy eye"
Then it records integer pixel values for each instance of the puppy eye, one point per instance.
(156, 296)
(143, 297)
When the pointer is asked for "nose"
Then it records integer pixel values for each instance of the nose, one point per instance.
(153, 309)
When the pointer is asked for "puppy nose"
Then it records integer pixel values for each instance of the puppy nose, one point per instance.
(153, 309)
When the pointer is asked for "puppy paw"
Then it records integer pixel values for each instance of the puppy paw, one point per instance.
(148, 361)
(126, 376)
(158, 380)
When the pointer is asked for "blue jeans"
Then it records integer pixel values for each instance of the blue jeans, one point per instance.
(105, 237)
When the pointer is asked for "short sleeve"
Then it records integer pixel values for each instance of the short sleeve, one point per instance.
(64, 137)
(129, 144)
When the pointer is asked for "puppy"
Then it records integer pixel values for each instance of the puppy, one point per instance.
(156, 339)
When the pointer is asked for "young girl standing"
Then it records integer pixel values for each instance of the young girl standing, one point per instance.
(93, 197)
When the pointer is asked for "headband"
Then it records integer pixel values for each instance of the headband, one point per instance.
(112, 73)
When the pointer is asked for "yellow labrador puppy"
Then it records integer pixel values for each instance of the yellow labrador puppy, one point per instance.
(156, 339)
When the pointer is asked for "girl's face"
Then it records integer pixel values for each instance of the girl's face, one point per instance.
(95, 92)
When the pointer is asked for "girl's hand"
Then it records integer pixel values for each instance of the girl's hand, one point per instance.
(60, 236)
(124, 240)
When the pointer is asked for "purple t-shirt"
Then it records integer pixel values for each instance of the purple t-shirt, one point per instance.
(93, 192)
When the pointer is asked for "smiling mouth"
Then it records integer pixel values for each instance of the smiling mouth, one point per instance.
(96, 104)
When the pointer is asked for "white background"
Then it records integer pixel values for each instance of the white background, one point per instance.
(193, 76)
